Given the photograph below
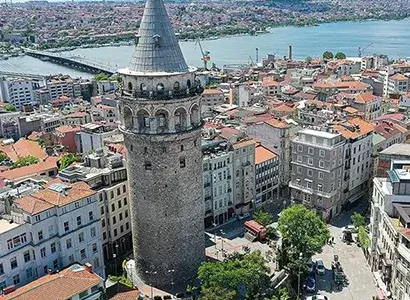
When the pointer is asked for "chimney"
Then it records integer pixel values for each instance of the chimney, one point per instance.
(290, 52)
(88, 267)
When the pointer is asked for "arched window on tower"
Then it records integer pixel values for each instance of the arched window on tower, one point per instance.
(176, 86)
(188, 83)
(129, 86)
(128, 118)
(182, 162)
(148, 165)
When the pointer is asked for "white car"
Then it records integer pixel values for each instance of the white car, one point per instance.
(320, 267)
(311, 265)
(317, 297)
(350, 228)
(244, 216)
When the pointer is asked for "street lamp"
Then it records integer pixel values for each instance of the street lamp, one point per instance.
(214, 225)
(152, 289)
(300, 263)
(222, 239)
(171, 272)
(116, 257)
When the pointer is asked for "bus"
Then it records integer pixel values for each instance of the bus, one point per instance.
(254, 230)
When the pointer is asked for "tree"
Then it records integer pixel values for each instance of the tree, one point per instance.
(262, 217)
(68, 159)
(308, 59)
(244, 274)
(25, 161)
(363, 237)
(358, 220)
(10, 107)
(302, 231)
(101, 77)
(3, 156)
(327, 55)
(340, 55)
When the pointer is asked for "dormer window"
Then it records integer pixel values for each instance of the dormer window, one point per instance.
(156, 40)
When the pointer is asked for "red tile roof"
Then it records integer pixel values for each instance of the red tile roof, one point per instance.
(263, 154)
(23, 147)
(36, 169)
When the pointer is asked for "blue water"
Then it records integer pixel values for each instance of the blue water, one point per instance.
(388, 37)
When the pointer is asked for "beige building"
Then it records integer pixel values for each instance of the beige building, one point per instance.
(211, 98)
(244, 175)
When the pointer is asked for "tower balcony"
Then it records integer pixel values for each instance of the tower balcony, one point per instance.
(163, 94)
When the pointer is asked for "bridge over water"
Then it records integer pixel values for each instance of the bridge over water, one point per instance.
(74, 61)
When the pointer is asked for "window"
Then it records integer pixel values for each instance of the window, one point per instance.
(26, 256)
(126, 213)
(124, 188)
(320, 174)
(309, 184)
(102, 210)
(299, 170)
(120, 216)
(310, 161)
(29, 272)
(3, 285)
(118, 191)
(94, 247)
(122, 228)
(113, 207)
(320, 187)
(40, 235)
(79, 221)
(310, 150)
(50, 230)
(125, 201)
(148, 165)
(91, 215)
(83, 294)
(299, 158)
(104, 235)
(321, 164)
(300, 148)
(182, 162)
(53, 247)
(71, 258)
(115, 232)
(119, 204)
(102, 223)
(127, 226)
(38, 218)
(1, 269)
(82, 254)
(81, 237)
(114, 220)
(322, 153)
(310, 172)
(55, 264)
(66, 226)
(13, 263)
(93, 232)
(43, 252)
(68, 243)
(16, 279)
(111, 194)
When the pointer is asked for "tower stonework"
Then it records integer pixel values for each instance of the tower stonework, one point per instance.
(160, 119)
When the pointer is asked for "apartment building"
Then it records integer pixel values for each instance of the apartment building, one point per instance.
(48, 230)
(275, 135)
(9, 125)
(357, 157)
(93, 135)
(398, 84)
(218, 182)
(63, 86)
(266, 177)
(211, 98)
(74, 282)
(389, 230)
(317, 170)
(244, 175)
(271, 87)
(106, 174)
(368, 104)
(18, 91)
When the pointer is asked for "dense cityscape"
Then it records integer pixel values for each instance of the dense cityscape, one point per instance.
(282, 179)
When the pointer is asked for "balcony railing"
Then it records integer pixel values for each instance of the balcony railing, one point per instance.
(163, 94)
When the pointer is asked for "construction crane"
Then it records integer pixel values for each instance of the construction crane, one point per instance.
(205, 54)
(360, 49)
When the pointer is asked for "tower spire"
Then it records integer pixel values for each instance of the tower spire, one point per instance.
(157, 48)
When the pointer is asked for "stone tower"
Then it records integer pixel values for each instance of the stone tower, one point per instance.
(160, 112)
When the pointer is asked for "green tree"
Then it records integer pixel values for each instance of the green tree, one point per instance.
(101, 77)
(25, 161)
(245, 272)
(303, 232)
(308, 59)
(364, 239)
(327, 55)
(68, 159)
(358, 220)
(340, 55)
(262, 217)
(3, 156)
(10, 107)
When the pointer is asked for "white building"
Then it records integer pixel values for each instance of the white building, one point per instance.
(49, 230)
(63, 86)
(18, 91)
(107, 175)
(92, 136)
(218, 194)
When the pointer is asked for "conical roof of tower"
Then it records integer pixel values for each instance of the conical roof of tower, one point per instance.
(157, 48)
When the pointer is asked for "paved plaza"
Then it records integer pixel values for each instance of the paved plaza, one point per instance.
(361, 285)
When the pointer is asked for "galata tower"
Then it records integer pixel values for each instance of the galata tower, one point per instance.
(160, 101)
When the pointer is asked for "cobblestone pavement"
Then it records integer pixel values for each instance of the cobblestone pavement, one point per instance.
(361, 284)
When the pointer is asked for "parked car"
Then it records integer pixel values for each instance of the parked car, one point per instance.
(311, 283)
(318, 297)
(243, 216)
(320, 267)
(350, 228)
(311, 265)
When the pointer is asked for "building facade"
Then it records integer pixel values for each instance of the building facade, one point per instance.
(161, 123)
(317, 171)
(18, 91)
